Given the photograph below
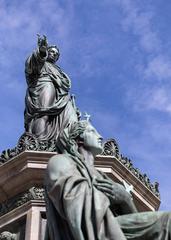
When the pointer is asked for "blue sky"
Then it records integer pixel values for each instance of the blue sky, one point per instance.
(118, 55)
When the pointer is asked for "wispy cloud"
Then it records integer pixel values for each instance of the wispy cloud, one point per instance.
(19, 24)
(156, 66)
(160, 100)
(154, 98)
(159, 67)
(26, 17)
(139, 22)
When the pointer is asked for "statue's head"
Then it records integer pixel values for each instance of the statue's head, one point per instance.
(80, 134)
(53, 53)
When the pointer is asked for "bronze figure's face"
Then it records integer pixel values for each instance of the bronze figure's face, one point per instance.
(53, 54)
(92, 140)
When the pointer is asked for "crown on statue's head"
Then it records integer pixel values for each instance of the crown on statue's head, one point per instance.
(87, 116)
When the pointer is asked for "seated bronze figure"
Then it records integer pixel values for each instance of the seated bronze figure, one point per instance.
(84, 204)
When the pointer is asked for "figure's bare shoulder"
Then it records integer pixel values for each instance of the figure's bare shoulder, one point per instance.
(60, 163)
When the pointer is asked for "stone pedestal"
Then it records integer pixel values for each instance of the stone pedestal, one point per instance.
(22, 206)
(22, 195)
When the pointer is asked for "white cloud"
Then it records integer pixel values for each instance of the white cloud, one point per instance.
(28, 18)
(154, 98)
(160, 100)
(159, 67)
(155, 68)
(139, 22)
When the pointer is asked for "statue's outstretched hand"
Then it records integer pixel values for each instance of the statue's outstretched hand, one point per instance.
(42, 43)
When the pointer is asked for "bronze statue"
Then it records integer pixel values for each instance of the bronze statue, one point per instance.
(49, 106)
(84, 204)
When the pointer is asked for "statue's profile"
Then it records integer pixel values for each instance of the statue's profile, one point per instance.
(49, 107)
(84, 204)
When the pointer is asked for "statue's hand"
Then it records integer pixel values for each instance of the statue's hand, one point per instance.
(42, 43)
(104, 185)
(115, 191)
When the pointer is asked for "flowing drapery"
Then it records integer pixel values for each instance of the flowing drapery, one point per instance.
(49, 108)
(77, 210)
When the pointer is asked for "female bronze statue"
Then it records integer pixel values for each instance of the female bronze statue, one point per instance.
(84, 204)
(49, 107)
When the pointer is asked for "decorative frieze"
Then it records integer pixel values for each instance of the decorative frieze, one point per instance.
(27, 141)
(34, 193)
(7, 236)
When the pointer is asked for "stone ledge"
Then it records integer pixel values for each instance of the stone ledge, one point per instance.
(22, 172)
(27, 170)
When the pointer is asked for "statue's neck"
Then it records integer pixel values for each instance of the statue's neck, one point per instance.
(87, 155)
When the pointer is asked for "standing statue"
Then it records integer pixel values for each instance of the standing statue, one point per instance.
(84, 204)
(49, 106)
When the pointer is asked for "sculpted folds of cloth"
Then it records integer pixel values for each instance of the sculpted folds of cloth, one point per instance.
(84, 204)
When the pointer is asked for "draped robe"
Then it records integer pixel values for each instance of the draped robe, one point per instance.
(47, 98)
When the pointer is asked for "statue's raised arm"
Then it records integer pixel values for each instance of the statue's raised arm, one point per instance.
(36, 60)
(42, 44)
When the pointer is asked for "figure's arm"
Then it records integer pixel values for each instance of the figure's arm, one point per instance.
(42, 47)
(36, 60)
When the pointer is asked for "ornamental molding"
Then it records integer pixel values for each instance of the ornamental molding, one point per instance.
(28, 141)
(8, 236)
(34, 193)
(111, 148)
